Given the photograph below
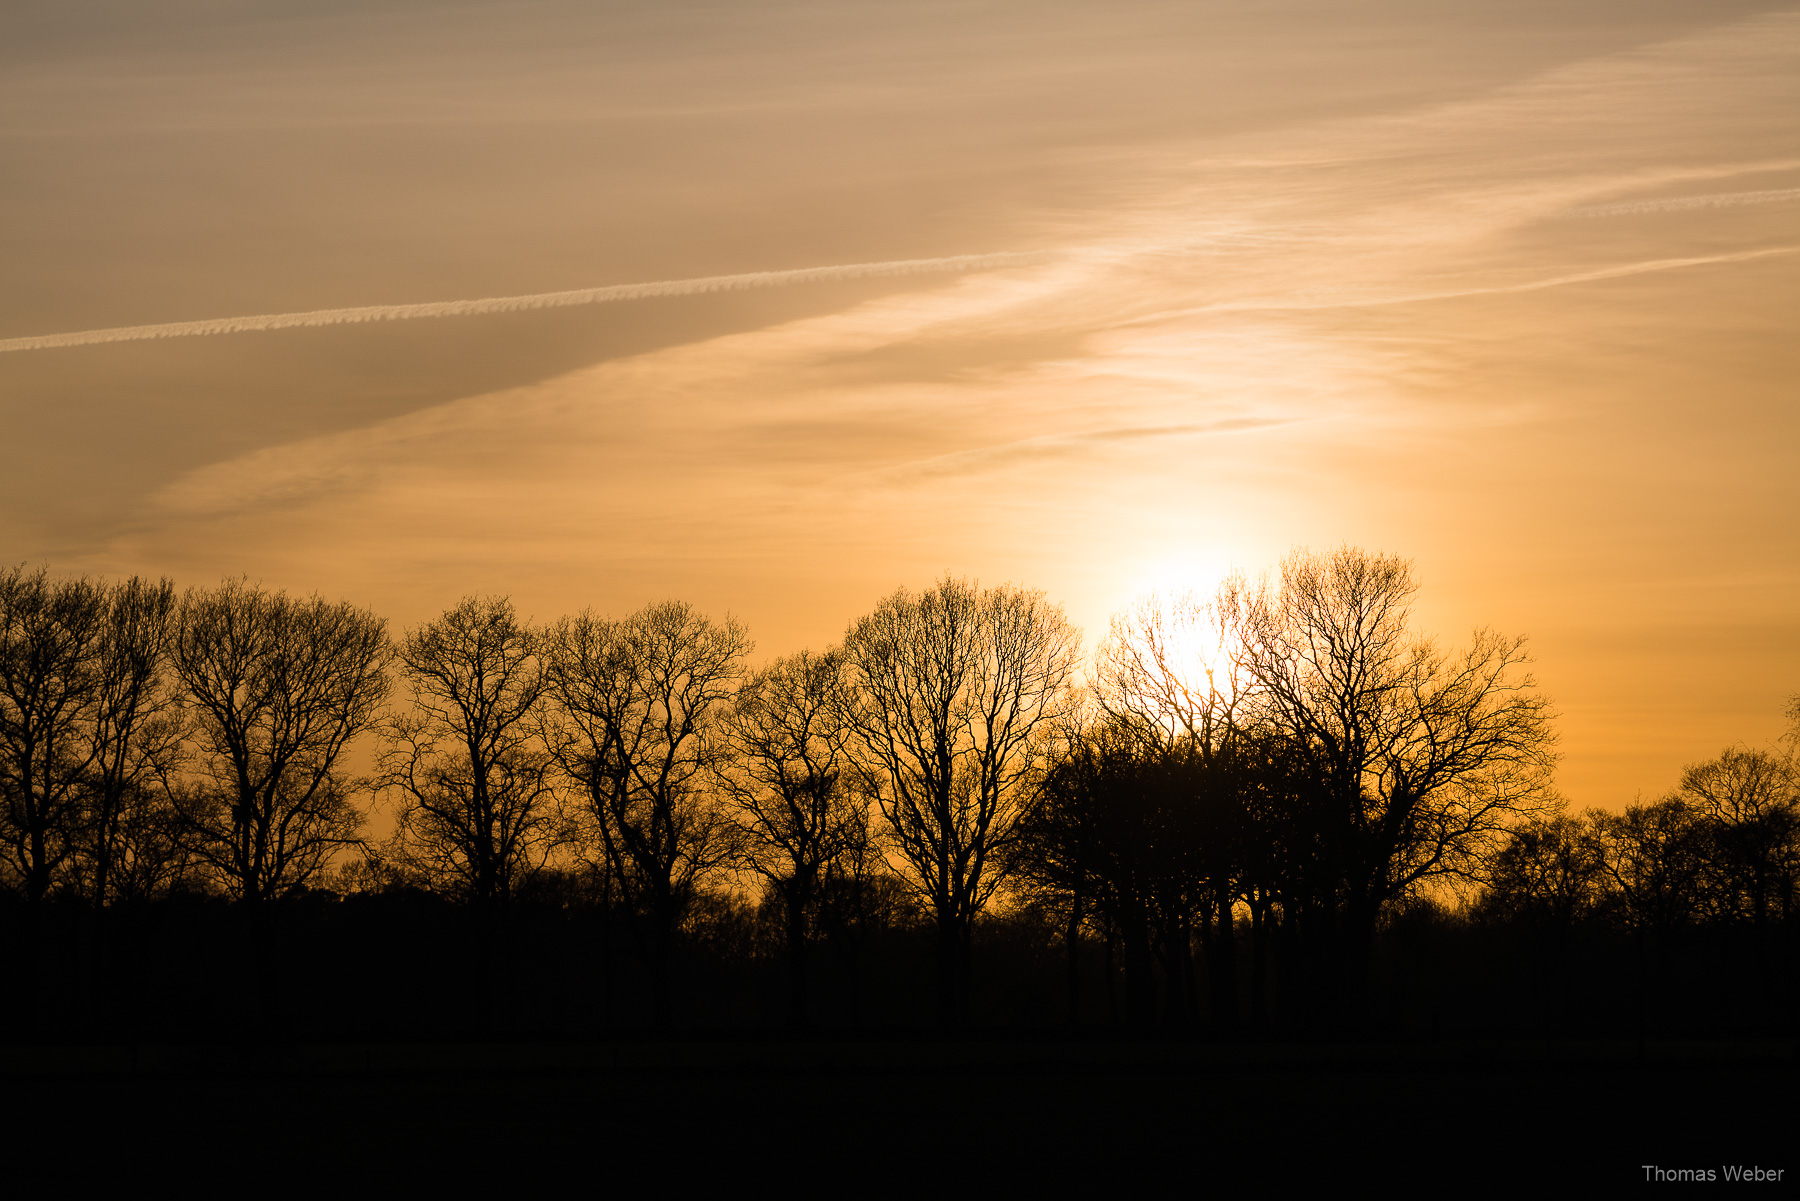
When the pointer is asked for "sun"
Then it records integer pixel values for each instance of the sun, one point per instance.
(1170, 653)
(1196, 573)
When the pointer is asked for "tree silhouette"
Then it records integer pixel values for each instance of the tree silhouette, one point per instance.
(131, 847)
(638, 704)
(1170, 670)
(1653, 858)
(1547, 879)
(1426, 756)
(957, 689)
(51, 633)
(1096, 835)
(477, 812)
(277, 688)
(1152, 841)
(478, 816)
(88, 733)
(1748, 804)
(1547, 873)
(788, 775)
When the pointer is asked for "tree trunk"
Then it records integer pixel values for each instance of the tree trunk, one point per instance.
(1183, 994)
(1221, 966)
(255, 1006)
(953, 971)
(662, 965)
(1072, 942)
(1259, 960)
(795, 903)
(1112, 974)
(1140, 980)
(487, 1007)
(662, 993)
(37, 876)
(1190, 978)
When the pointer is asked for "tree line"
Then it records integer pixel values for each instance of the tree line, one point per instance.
(1227, 801)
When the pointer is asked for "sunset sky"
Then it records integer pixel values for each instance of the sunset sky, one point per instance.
(1510, 289)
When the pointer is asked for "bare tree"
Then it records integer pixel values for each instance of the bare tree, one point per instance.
(477, 810)
(637, 705)
(1748, 804)
(957, 689)
(1547, 879)
(1426, 756)
(1171, 671)
(789, 778)
(51, 633)
(1653, 857)
(277, 689)
(1546, 874)
(1171, 677)
(1102, 839)
(137, 733)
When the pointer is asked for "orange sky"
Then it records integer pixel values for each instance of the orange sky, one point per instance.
(1509, 290)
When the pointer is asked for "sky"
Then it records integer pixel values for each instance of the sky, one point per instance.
(1507, 289)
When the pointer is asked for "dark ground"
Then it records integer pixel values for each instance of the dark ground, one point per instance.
(904, 1114)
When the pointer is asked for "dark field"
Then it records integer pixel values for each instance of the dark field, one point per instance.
(889, 1115)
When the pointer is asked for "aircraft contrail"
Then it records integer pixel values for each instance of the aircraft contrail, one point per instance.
(1676, 203)
(538, 300)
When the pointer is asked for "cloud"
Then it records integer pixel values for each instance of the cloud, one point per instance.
(987, 458)
(1251, 282)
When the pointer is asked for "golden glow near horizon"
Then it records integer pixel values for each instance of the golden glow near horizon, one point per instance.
(1508, 293)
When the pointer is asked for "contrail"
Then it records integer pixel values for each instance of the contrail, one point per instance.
(538, 300)
(1717, 200)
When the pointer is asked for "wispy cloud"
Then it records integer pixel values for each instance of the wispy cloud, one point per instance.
(987, 458)
(1211, 297)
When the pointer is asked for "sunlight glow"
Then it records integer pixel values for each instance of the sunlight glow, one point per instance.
(1199, 572)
